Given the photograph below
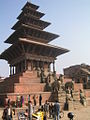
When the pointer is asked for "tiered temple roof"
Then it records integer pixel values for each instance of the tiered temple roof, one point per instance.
(26, 31)
(30, 5)
(32, 47)
(29, 40)
(31, 21)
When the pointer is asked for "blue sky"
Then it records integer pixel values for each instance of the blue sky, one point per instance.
(70, 19)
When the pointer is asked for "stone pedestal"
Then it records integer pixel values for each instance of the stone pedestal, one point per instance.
(61, 96)
(76, 96)
(70, 105)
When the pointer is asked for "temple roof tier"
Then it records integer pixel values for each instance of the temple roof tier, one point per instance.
(54, 50)
(32, 48)
(31, 21)
(30, 12)
(15, 54)
(30, 5)
(26, 31)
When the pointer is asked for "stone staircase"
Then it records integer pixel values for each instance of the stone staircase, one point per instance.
(77, 105)
(73, 103)
(24, 84)
(16, 83)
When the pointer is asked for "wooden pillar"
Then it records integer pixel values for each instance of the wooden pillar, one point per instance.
(43, 64)
(40, 64)
(37, 64)
(48, 67)
(25, 65)
(10, 70)
(53, 66)
(16, 68)
(21, 66)
(31, 65)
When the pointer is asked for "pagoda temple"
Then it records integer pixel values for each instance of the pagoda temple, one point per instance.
(29, 51)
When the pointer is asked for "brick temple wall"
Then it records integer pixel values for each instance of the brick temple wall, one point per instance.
(87, 93)
(24, 84)
(31, 87)
(78, 86)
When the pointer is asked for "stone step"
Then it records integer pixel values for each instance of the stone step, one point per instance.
(22, 87)
(29, 76)
(88, 101)
(28, 87)
(30, 73)
(77, 105)
(28, 80)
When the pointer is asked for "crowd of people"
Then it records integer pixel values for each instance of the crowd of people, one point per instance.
(8, 113)
(50, 110)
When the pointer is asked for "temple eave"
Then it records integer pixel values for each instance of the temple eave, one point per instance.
(32, 57)
(42, 44)
(33, 6)
(15, 50)
(36, 14)
(40, 24)
(26, 31)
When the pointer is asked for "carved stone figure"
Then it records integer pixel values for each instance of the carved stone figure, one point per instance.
(38, 72)
(55, 86)
(59, 86)
(48, 87)
(82, 98)
(54, 75)
(61, 78)
(42, 76)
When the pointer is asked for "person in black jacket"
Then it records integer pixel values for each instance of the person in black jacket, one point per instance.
(5, 114)
(40, 100)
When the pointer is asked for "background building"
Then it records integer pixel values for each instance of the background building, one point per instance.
(79, 74)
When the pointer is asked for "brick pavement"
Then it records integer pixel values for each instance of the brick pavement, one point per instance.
(80, 114)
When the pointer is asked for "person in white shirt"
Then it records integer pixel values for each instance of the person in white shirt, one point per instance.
(9, 112)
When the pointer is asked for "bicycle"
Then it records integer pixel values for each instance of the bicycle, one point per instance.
(21, 116)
